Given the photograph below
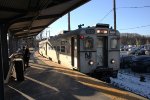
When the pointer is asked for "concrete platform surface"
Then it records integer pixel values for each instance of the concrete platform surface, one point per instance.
(46, 80)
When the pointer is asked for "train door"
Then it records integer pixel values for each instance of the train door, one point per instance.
(46, 49)
(74, 52)
(101, 52)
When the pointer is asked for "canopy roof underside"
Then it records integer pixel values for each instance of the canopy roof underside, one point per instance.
(26, 18)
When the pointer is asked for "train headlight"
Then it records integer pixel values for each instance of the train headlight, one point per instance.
(102, 31)
(98, 31)
(105, 31)
(113, 61)
(91, 62)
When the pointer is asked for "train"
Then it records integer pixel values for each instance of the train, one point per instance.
(90, 50)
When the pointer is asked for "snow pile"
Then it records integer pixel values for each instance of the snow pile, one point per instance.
(132, 83)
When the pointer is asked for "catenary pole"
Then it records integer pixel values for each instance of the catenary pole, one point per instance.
(114, 9)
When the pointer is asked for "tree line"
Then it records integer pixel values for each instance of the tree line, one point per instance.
(134, 39)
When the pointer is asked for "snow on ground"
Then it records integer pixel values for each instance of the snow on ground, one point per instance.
(131, 81)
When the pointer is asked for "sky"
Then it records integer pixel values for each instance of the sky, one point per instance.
(129, 19)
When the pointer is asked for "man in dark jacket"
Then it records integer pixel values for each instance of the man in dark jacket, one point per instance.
(26, 57)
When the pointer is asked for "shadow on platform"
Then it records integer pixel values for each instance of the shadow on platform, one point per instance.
(44, 82)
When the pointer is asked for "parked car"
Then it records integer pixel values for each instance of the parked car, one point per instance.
(133, 51)
(147, 49)
(141, 64)
(125, 61)
(140, 52)
(147, 52)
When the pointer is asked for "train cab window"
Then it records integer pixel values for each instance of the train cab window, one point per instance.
(58, 48)
(54, 47)
(113, 43)
(62, 48)
(100, 42)
(88, 43)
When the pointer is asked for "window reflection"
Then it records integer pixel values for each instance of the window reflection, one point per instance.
(113, 43)
(62, 48)
(58, 48)
(88, 43)
(99, 42)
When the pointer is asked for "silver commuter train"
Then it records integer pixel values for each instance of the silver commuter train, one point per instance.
(88, 50)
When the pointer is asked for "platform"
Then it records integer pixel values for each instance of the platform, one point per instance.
(46, 80)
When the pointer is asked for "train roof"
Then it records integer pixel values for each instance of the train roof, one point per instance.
(80, 31)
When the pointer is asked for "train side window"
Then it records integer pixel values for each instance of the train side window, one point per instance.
(88, 43)
(62, 48)
(113, 43)
(58, 48)
(54, 47)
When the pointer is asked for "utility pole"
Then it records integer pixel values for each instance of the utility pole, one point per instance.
(114, 8)
(69, 21)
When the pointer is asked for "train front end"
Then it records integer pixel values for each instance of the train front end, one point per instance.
(99, 51)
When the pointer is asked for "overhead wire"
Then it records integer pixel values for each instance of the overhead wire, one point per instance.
(136, 27)
(134, 7)
(106, 15)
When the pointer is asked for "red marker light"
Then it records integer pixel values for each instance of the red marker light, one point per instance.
(118, 38)
(81, 37)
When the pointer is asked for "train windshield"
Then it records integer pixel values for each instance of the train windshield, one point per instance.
(113, 43)
(88, 43)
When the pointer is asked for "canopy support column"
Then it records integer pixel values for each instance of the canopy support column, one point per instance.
(1, 67)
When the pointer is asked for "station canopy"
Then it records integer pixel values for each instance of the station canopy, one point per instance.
(26, 18)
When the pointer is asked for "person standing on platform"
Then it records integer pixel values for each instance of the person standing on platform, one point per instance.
(26, 57)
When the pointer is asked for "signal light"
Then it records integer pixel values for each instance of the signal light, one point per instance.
(81, 37)
(98, 31)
